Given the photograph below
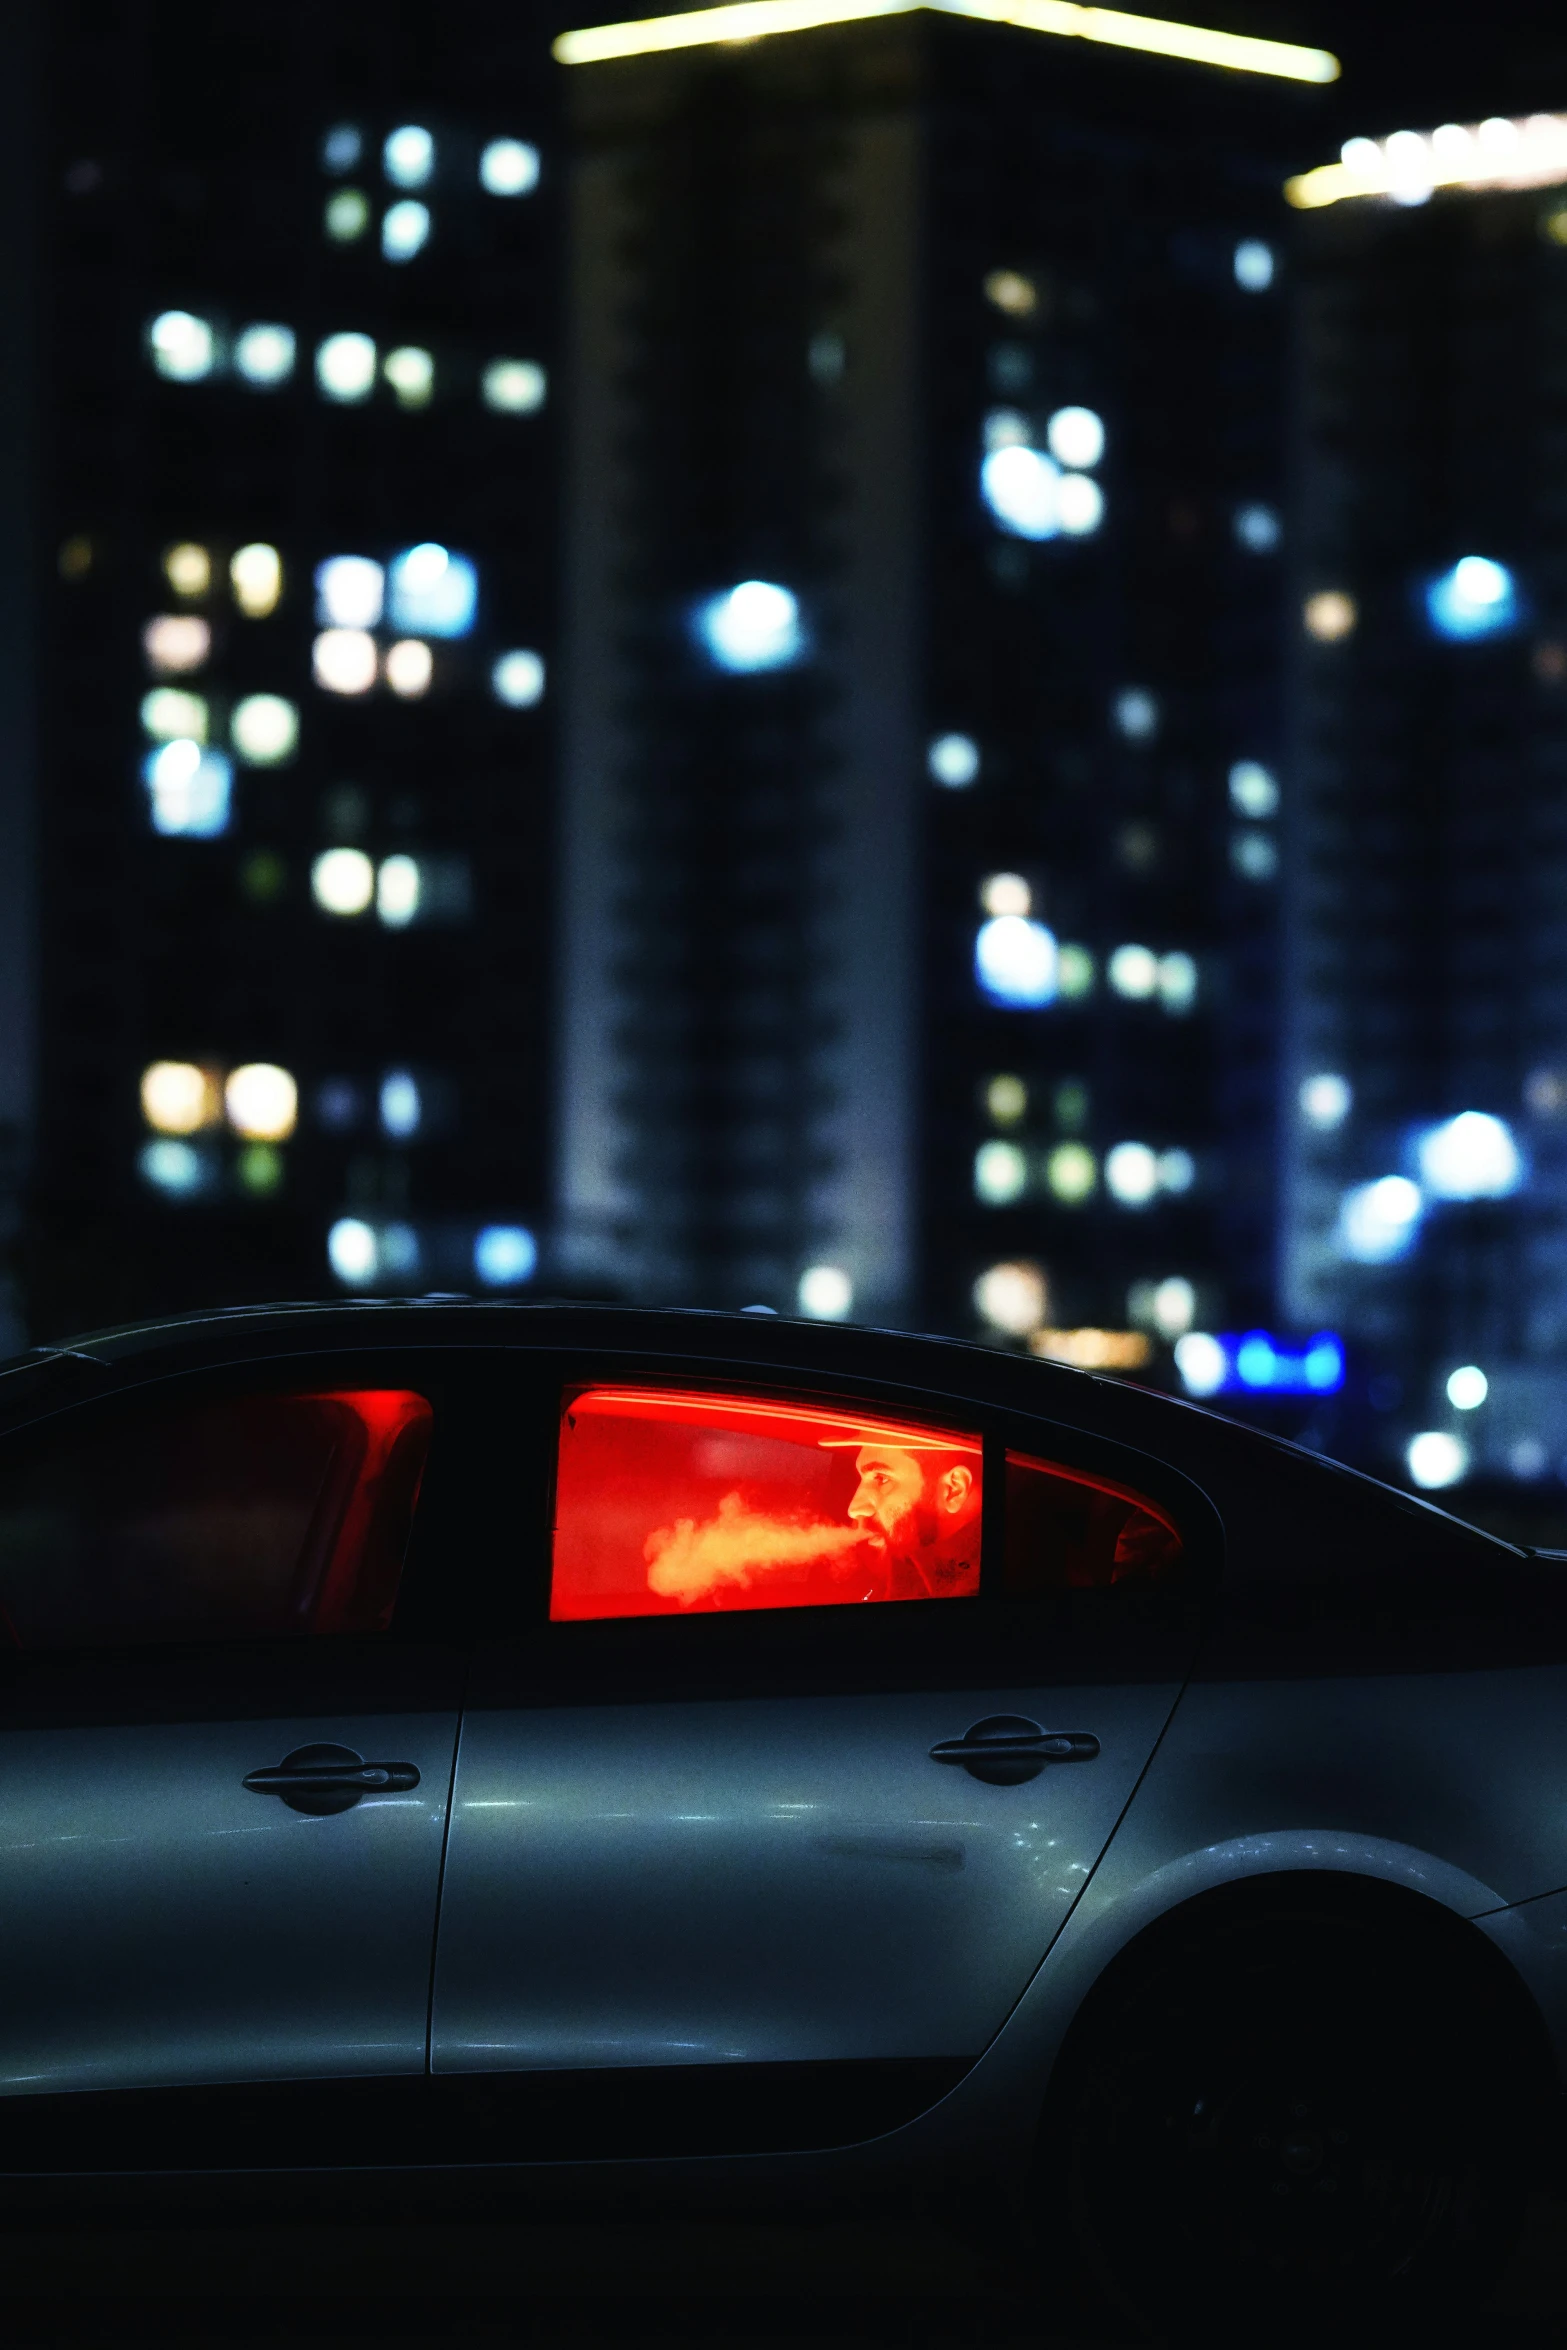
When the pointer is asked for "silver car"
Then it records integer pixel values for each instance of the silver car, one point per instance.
(599, 1758)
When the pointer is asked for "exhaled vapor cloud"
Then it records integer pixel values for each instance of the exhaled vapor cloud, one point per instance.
(688, 1561)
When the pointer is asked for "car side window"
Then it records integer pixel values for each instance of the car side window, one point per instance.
(671, 1502)
(1068, 1531)
(253, 1517)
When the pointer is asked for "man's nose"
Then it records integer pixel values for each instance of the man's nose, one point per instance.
(860, 1507)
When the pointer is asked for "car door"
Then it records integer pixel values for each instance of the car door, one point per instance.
(223, 1773)
(807, 1755)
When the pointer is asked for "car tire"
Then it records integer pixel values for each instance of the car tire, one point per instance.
(1293, 2121)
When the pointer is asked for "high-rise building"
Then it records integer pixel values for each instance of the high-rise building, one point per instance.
(297, 530)
(1426, 1097)
(924, 697)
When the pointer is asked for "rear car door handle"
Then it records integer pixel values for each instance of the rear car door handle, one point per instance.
(326, 1779)
(1006, 1749)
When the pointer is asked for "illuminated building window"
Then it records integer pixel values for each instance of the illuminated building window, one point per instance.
(401, 1106)
(1477, 598)
(345, 368)
(1071, 1105)
(1008, 428)
(1012, 1298)
(517, 679)
(514, 387)
(344, 660)
(341, 148)
(339, 1105)
(509, 167)
(1436, 1459)
(350, 592)
(1072, 1173)
(347, 215)
(259, 1169)
(182, 347)
(1472, 1156)
(953, 761)
(1132, 1174)
(1254, 265)
(264, 730)
(367, 1256)
(1074, 972)
(1258, 529)
(1006, 1100)
(1134, 972)
(1254, 855)
(411, 373)
(1177, 1171)
(504, 1256)
(397, 892)
(1022, 489)
(825, 1293)
(1168, 1306)
(1135, 714)
(176, 642)
(179, 1097)
(1467, 1388)
(408, 157)
(189, 789)
(1000, 1173)
(753, 627)
(1545, 1092)
(168, 712)
(432, 592)
(187, 568)
(405, 230)
(1075, 437)
(1325, 1100)
(1006, 893)
(178, 1169)
(1012, 293)
(342, 881)
(409, 667)
(264, 356)
(1254, 790)
(256, 577)
(1330, 616)
(1378, 1222)
(1177, 982)
(1016, 962)
(262, 1102)
(1080, 505)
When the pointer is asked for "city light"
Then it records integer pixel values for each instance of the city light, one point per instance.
(1177, 983)
(1255, 1363)
(178, 1097)
(1435, 1458)
(1330, 616)
(342, 881)
(397, 891)
(183, 347)
(1075, 437)
(409, 667)
(341, 148)
(1172, 1307)
(1201, 1362)
(1254, 791)
(1132, 1174)
(1177, 1171)
(168, 712)
(1467, 1388)
(1477, 598)
(350, 592)
(1011, 1298)
(187, 568)
(262, 1102)
(410, 371)
(1258, 529)
(755, 20)
(825, 1293)
(1407, 166)
(264, 355)
(1254, 856)
(1006, 893)
(1015, 961)
(1135, 713)
(1378, 1221)
(952, 760)
(264, 730)
(347, 215)
(351, 1251)
(1472, 1156)
(1072, 1173)
(256, 577)
(408, 157)
(1326, 1100)
(177, 1168)
(344, 660)
(1000, 1173)
(517, 679)
(513, 387)
(1133, 972)
(345, 368)
(1006, 1100)
(1075, 972)
(509, 167)
(176, 642)
(1092, 1350)
(1010, 291)
(1080, 505)
(432, 592)
(405, 230)
(1022, 489)
(504, 1255)
(189, 790)
(401, 1105)
(753, 627)
(1254, 265)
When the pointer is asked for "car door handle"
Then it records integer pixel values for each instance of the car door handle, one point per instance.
(1006, 1749)
(326, 1779)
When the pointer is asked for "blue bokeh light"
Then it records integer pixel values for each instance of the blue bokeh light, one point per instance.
(1016, 961)
(432, 592)
(752, 627)
(1477, 598)
(505, 1255)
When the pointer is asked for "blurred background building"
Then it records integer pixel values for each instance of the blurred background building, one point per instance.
(297, 518)
(925, 712)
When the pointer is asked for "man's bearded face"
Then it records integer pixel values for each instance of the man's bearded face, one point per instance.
(887, 1502)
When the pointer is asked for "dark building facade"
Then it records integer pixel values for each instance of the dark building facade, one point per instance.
(925, 693)
(296, 533)
(1426, 1092)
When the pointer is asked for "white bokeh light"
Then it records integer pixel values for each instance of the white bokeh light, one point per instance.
(1016, 961)
(405, 230)
(1075, 437)
(514, 387)
(1326, 1100)
(825, 1293)
(350, 592)
(184, 348)
(1436, 1458)
(1201, 1362)
(1000, 1173)
(753, 627)
(1132, 1174)
(509, 167)
(1378, 1221)
(1021, 487)
(264, 730)
(1254, 265)
(1011, 1298)
(264, 356)
(952, 760)
(1467, 1387)
(1472, 1156)
(408, 157)
(342, 881)
(517, 679)
(345, 368)
(344, 660)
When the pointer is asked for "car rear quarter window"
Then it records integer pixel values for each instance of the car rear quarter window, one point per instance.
(1069, 1531)
(670, 1502)
(238, 1518)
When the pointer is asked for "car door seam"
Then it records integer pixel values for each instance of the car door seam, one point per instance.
(440, 1874)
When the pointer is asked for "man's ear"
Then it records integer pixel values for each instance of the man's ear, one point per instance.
(956, 1486)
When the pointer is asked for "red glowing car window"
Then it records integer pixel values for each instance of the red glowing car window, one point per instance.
(674, 1503)
(1066, 1531)
(246, 1518)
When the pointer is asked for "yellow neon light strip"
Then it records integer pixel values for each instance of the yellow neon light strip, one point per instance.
(1410, 164)
(758, 20)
